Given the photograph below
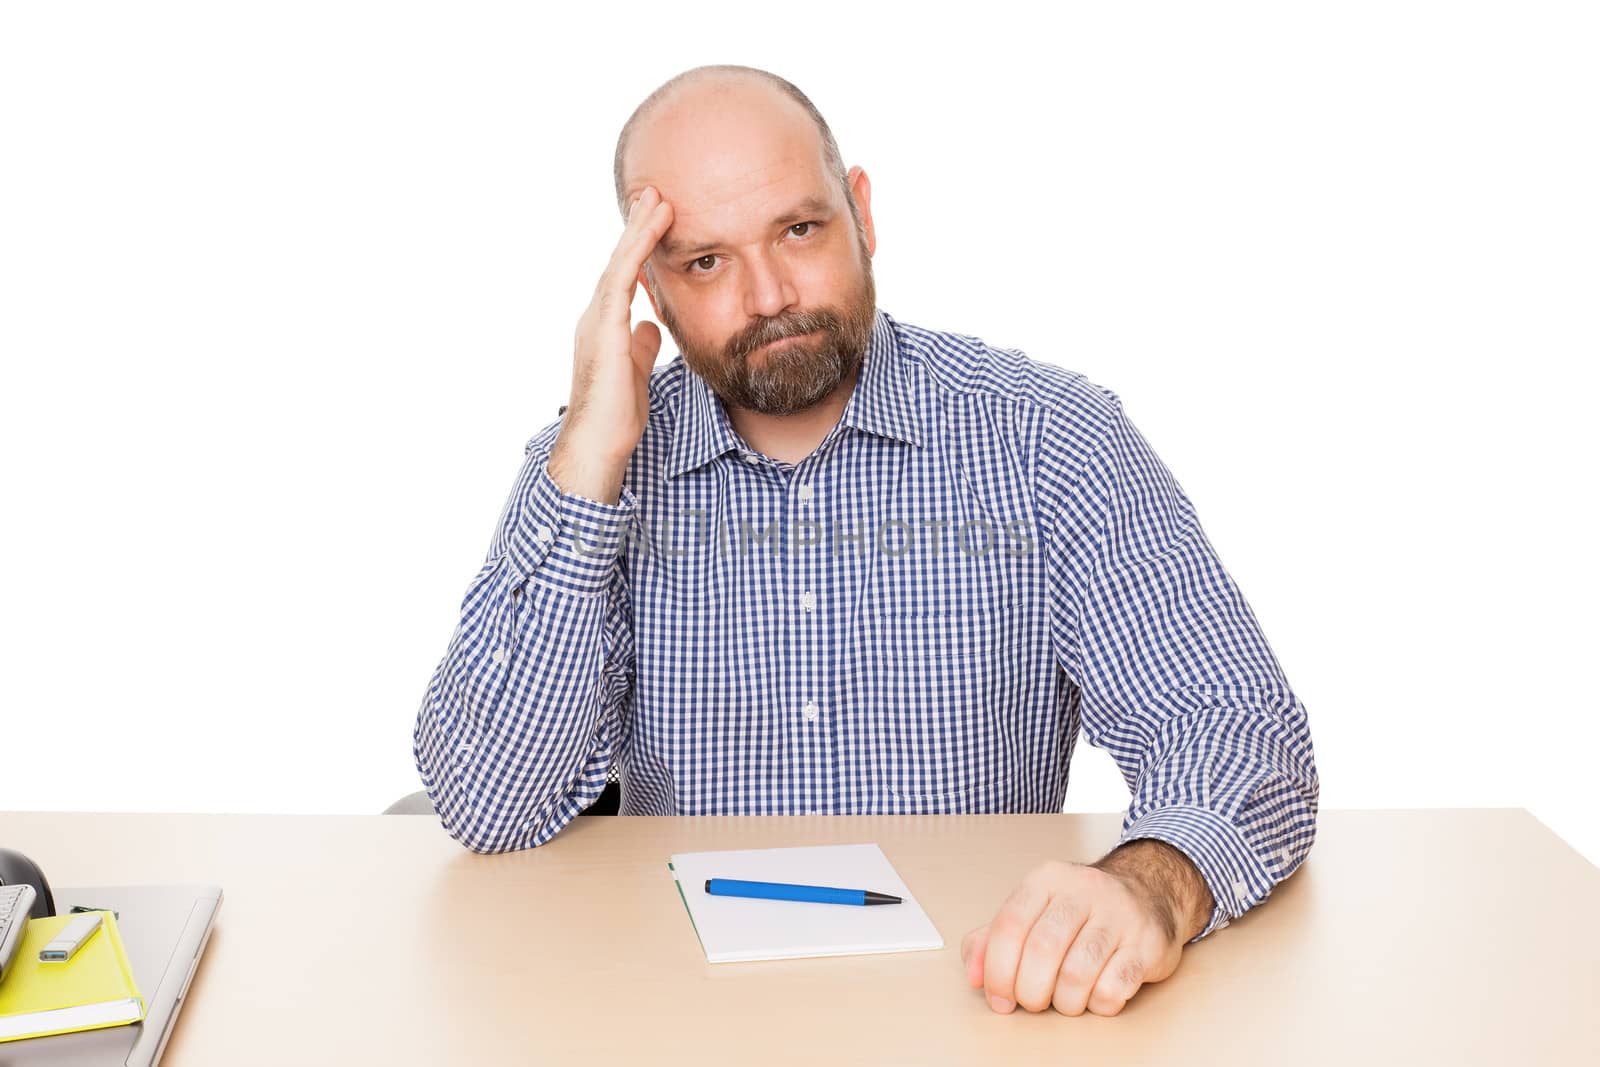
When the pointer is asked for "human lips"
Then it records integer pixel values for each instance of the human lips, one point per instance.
(790, 337)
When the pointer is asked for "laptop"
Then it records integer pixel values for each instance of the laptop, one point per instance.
(165, 928)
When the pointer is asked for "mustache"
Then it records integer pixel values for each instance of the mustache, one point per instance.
(817, 324)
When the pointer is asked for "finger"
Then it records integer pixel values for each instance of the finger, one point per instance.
(1119, 980)
(1095, 944)
(1007, 933)
(646, 345)
(648, 219)
(1045, 950)
(973, 947)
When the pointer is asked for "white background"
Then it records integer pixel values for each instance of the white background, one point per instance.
(284, 288)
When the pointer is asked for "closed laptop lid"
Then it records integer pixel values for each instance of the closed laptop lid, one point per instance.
(165, 929)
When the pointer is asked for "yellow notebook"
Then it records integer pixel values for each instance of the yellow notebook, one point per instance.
(93, 990)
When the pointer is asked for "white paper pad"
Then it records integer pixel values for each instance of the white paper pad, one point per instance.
(734, 929)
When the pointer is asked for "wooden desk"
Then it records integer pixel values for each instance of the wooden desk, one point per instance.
(1437, 936)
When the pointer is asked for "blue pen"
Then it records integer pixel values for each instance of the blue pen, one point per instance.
(818, 894)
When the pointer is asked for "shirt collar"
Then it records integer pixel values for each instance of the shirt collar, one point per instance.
(881, 403)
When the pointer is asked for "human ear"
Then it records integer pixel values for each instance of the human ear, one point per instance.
(649, 289)
(861, 191)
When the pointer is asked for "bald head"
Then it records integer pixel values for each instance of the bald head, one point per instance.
(682, 102)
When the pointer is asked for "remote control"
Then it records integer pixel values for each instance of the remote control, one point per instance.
(16, 901)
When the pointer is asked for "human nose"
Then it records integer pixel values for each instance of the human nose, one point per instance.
(769, 289)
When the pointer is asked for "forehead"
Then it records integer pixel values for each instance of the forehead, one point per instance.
(713, 229)
(732, 168)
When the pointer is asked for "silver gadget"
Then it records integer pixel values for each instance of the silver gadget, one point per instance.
(16, 901)
(70, 938)
(164, 928)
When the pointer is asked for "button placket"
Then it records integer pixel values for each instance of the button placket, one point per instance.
(815, 742)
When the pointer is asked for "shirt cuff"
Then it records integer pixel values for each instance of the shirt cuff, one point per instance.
(565, 540)
(1237, 878)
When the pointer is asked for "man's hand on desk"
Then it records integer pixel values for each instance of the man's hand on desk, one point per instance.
(1079, 936)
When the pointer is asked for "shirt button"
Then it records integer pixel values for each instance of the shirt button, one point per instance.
(805, 494)
(543, 535)
(808, 600)
(499, 657)
(751, 458)
(1239, 890)
(810, 711)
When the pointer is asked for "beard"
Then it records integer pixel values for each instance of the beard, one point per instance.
(796, 374)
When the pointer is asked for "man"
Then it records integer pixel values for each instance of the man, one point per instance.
(828, 562)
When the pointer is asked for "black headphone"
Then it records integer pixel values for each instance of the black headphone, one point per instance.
(17, 869)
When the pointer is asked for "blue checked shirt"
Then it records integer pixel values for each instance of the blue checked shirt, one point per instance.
(981, 556)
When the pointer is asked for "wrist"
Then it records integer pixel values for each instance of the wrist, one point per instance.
(581, 471)
(1169, 882)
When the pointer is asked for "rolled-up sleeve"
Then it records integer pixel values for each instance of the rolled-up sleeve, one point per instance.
(1177, 681)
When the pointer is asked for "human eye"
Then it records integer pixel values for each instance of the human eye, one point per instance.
(710, 261)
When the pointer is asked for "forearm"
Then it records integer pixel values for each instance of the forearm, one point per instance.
(514, 721)
(511, 736)
(1178, 681)
(1167, 880)
(1255, 769)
